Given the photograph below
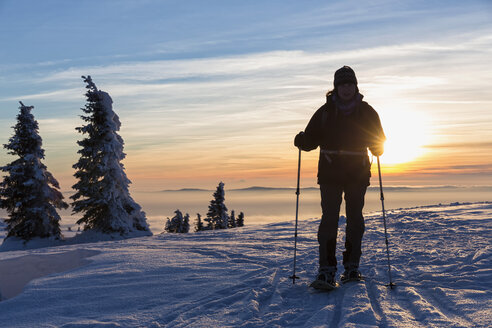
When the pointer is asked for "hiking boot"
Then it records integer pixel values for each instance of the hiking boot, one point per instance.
(327, 274)
(352, 274)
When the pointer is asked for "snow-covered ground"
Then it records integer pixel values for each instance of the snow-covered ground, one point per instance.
(441, 258)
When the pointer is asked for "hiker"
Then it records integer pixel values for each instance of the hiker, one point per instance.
(344, 127)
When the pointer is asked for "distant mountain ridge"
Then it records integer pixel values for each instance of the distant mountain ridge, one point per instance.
(370, 188)
(253, 188)
(259, 188)
(184, 189)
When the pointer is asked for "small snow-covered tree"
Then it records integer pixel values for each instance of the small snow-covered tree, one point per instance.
(174, 225)
(199, 224)
(28, 192)
(167, 226)
(179, 223)
(217, 217)
(185, 227)
(102, 193)
(232, 220)
(240, 220)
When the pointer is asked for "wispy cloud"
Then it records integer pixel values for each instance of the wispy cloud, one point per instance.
(274, 74)
(262, 64)
(467, 145)
(253, 91)
(60, 94)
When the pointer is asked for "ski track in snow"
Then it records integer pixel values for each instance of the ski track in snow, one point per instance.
(441, 263)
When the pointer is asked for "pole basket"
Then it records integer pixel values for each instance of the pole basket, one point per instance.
(294, 277)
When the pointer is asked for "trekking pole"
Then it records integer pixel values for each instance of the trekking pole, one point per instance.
(391, 284)
(294, 277)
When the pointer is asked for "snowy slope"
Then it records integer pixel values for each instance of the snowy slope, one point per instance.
(239, 278)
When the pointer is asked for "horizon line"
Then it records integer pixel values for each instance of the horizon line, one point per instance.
(268, 188)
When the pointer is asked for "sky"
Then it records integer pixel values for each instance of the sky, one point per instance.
(211, 91)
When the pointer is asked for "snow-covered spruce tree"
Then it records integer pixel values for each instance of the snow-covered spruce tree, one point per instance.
(174, 224)
(199, 224)
(28, 192)
(102, 193)
(167, 226)
(217, 217)
(232, 220)
(185, 228)
(209, 225)
(179, 223)
(240, 220)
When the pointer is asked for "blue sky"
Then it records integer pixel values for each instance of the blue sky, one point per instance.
(211, 90)
(67, 33)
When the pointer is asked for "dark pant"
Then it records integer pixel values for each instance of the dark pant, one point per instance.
(331, 198)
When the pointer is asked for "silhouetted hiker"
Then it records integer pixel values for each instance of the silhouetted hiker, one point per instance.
(343, 128)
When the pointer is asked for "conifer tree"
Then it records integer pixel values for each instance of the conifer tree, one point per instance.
(240, 220)
(217, 217)
(29, 192)
(210, 225)
(232, 220)
(199, 224)
(179, 223)
(174, 225)
(167, 226)
(185, 227)
(102, 193)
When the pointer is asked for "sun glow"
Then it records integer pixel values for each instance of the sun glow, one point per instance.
(406, 134)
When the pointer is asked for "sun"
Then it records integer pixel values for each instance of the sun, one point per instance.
(406, 135)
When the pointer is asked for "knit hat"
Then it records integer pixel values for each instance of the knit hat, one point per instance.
(344, 75)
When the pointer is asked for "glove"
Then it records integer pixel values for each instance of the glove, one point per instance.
(299, 140)
(377, 150)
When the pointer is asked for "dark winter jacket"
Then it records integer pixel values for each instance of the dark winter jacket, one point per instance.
(343, 140)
